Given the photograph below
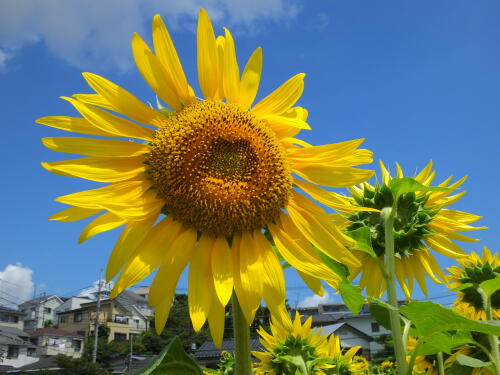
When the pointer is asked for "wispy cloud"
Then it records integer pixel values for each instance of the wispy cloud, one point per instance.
(16, 285)
(91, 32)
(315, 300)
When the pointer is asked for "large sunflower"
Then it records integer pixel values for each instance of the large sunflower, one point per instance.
(197, 184)
(421, 224)
(320, 354)
(475, 270)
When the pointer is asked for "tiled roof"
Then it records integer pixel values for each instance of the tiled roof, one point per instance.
(54, 332)
(209, 350)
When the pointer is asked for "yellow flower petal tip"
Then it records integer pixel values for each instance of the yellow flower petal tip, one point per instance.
(222, 166)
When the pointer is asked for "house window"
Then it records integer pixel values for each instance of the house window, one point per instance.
(375, 327)
(63, 319)
(77, 345)
(47, 310)
(12, 351)
(121, 319)
(31, 352)
(78, 316)
(136, 322)
(120, 336)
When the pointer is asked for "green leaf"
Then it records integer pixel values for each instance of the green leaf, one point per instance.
(363, 239)
(339, 268)
(430, 318)
(381, 315)
(465, 360)
(173, 360)
(490, 286)
(444, 342)
(352, 297)
(403, 185)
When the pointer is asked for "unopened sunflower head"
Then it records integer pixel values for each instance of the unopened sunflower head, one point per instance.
(197, 182)
(296, 343)
(474, 270)
(422, 223)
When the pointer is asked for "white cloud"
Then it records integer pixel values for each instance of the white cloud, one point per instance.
(315, 300)
(95, 32)
(16, 285)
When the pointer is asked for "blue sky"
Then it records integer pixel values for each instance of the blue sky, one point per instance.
(419, 81)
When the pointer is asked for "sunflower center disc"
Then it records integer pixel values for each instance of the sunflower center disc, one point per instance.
(219, 169)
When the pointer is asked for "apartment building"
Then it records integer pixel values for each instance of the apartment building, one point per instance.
(39, 311)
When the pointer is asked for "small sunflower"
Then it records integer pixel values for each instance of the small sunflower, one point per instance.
(424, 364)
(475, 270)
(421, 224)
(387, 367)
(197, 183)
(320, 354)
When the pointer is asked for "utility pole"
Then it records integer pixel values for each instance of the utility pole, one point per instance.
(96, 325)
(129, 365)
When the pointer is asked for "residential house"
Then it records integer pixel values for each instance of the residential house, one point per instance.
(71, 303)
(122, 316)
(208, 355)
(361, 329)
(39, 311)
(15, 347)
(53, 341)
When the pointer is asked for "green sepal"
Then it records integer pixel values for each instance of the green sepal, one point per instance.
(363, 239)
(490, 286)
(403, 185)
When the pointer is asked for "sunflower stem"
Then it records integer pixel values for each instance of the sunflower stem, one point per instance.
(241, 329)
(492, 339)
(440, 363)
(388, 214)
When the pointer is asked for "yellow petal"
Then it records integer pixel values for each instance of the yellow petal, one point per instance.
(200, 282)
(250, 79)
(216, 320)
(94, 99)
(100, 224)
(162, 311)
(297, 251)
(99, 169)
(275, 122)
(208, 58)
(222, 270)
(95, 147)
(282, 99)
(313, 283)
(444, 246)
(463, 217)
(174, 261)
(250, 272)
(328, 175)
(424, 173)
(148, 255)
(73, 124)
(418, 271)
(123, 101)
(220, 41)
(131, 236)
(153, 72)
(74, 213)
(386, 176)
(111, 123)
(315, 225)
(231, 77)
(335, 150)
(329, 198)
(165, 50)
(272, 276)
